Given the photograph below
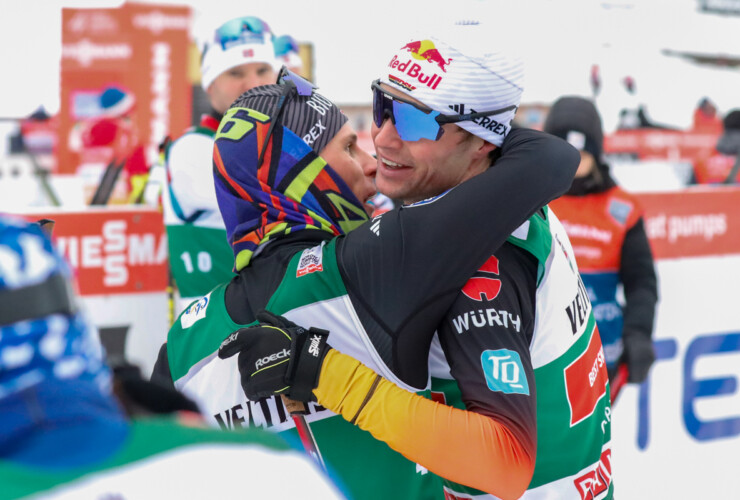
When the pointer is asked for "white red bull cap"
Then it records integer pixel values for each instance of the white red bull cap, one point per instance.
(460, 69)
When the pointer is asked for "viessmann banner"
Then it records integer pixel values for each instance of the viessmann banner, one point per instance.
(678, 434)
(119, 260)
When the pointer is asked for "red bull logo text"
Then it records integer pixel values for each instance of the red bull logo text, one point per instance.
(413, 70)
(425, 49)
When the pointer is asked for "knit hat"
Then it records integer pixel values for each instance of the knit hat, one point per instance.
(292, 188)
(732, 120)
(115, 101)
(314, 118)
(238, 41)
(457, 70)
(729, 141)
(576, 120)
(286, 50)
(42, 335)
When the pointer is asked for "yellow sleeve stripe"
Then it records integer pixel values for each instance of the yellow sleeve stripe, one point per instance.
(462, 446)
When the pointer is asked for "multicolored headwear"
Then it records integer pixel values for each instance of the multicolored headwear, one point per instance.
(459, 72)
(269, 181)
(42, 335)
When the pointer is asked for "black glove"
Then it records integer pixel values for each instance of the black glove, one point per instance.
(277, 357)
(141, 397)
(638, 355)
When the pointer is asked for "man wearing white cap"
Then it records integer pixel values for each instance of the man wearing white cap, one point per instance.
(239, 56)
(520, 343)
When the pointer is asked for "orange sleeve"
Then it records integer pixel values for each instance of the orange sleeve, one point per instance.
(462, 446)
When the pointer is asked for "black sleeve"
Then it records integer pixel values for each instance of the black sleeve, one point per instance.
(405, 267)
(485, 337)
(161, 372)
(637, 274)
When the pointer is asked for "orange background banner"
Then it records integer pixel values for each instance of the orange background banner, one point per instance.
(696, 222)
(141, 48)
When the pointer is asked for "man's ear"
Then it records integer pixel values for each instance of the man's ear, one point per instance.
(485, 149)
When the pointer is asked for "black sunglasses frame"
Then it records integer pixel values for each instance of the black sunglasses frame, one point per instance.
(441, 119)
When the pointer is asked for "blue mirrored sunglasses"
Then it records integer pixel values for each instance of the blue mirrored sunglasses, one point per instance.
(414, 121)
(240, 31)
(284, 44)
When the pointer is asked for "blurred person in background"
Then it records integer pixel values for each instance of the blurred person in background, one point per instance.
(729, 143)
(115, 130)
(606, 228)
(706, 118)
(64, 435)
(288, 53)
(239, 56)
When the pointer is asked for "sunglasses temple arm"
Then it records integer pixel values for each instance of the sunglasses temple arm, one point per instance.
(268, 137)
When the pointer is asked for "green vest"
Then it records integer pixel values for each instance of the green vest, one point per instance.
(311, 293)
(200, 255)
(573, 424)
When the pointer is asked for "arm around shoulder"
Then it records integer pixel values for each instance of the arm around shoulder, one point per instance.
(548, 162)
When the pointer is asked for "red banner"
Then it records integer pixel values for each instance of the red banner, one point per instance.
(691, 223)
(695, 146)
(113, 251)
(139, 47)
(651, 143)
(590, 366)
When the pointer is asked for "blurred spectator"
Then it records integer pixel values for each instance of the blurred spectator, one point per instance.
(729, 143)
(64, 435)
(629, 84)
(595, 80)
(287, 52)
(632, 118)
(239, 55)
(606, 229)
(115, 130)
(706, 119)
(634, 115)
(37, 136)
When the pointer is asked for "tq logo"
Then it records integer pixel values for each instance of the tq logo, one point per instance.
(480, 288)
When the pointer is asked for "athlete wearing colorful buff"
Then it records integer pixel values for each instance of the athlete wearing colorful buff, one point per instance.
(305, 251)
(606, 226)
(517, 360)
(238, 56)
(63, 435)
